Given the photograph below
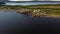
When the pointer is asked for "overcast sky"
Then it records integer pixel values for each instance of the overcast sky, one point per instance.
(34, 0)
(29, 0)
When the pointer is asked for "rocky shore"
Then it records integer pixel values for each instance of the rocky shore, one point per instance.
(45, 11)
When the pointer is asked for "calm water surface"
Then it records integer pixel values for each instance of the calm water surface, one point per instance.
(13, 23)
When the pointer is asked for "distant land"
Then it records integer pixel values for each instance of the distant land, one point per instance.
(25, 3)
(37, 10)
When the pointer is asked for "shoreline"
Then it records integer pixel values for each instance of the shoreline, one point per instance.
(35, 10)
(48, 16)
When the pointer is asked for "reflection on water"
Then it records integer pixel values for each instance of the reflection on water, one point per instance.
(12, 22)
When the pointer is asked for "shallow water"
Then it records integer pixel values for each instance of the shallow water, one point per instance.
(13, 23)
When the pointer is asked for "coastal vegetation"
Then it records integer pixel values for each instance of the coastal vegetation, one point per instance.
(35, 10)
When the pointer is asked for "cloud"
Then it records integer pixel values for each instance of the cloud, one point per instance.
(21, 0)
(55, 0)
(27, 0)
(3, 0)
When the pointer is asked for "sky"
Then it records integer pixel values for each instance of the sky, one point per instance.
(33, 0)
(20, 0)
(29, 0)
(26, 3)
(30, 3)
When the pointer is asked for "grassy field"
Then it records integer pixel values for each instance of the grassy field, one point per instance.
(35, 10)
